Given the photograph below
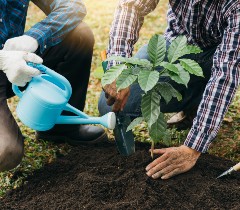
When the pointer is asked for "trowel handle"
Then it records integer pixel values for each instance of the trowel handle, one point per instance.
(103, 58)
(236, 167)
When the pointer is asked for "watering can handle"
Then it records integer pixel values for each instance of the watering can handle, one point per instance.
(67, 90)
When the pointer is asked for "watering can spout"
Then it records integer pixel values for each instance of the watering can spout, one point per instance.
(108, 120)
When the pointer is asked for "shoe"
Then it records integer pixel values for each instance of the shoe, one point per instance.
(83, 134)
(182, 120)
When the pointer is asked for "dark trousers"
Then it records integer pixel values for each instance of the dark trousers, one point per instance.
(72, 59)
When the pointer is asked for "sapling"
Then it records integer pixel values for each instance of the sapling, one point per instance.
(146, 73)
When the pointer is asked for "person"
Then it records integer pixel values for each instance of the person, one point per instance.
(214, 26)
(62, 42)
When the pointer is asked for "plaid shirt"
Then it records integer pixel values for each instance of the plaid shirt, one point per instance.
(63, 16)
(206, 23)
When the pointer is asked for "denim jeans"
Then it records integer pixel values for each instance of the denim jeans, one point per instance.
(191, 95)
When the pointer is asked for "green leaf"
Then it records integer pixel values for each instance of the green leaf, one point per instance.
(192, 67)
(170, 67)
(150, 107)
(136, 70)
(112, 74)
(158, 129)
(148, 79)
(192, 49)
(135, 122)
(125, 79)
(132, 60)
(182, 78)
(176, 49)
(167, 91)
(157, 49)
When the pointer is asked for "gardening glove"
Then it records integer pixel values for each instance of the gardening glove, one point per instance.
(116, 98)
(21, 43)
(173, 161)
(13, 64)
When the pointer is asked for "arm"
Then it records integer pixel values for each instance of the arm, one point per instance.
(217, 97)
(128, 19)
(62, 17)
(124, 33)
(220, 89)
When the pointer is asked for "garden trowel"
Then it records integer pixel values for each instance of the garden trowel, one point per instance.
(229, 171)
(124, 140)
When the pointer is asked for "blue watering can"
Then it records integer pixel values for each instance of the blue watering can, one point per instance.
(44, 99)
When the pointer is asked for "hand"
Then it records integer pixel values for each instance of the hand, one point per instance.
(21, 43)
(13, 64)
(117, 99)
(174, 160)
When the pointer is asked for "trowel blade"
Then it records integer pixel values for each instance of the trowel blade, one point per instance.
(124, 140)
(229, 171)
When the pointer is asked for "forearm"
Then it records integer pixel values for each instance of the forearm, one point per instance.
(62, 17)
(220, 89)
(128, 19)
(214, 105)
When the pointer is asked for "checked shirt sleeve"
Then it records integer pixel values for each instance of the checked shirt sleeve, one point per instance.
(220, 89)
(62, 17)
(128, 19)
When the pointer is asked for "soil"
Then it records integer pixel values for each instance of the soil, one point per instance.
(98, 177)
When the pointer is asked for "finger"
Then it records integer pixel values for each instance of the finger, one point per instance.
(157, 169)
(117, 106)
(27, 79)
(118, 103)
(172, 173)
(110, 101)
(20, 84)
(30, 71)
(164, 171)
(159, 151)
(156, 162)
(31, 57)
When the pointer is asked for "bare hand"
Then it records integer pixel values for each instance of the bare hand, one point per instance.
(117, 99)
(173, 161)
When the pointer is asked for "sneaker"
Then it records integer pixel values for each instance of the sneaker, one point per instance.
(182, 120)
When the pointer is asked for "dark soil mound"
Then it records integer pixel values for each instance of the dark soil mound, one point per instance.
(97, 177)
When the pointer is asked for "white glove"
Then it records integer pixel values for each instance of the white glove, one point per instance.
(21, 43)
(13, 64)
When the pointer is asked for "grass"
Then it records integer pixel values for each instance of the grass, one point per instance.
(99, 18)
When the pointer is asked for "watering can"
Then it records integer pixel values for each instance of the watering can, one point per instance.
(46, 97)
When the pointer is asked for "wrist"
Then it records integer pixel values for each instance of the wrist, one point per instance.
(33, 43)
(191, 151)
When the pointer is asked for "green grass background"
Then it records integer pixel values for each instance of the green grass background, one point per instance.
(99, 18)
